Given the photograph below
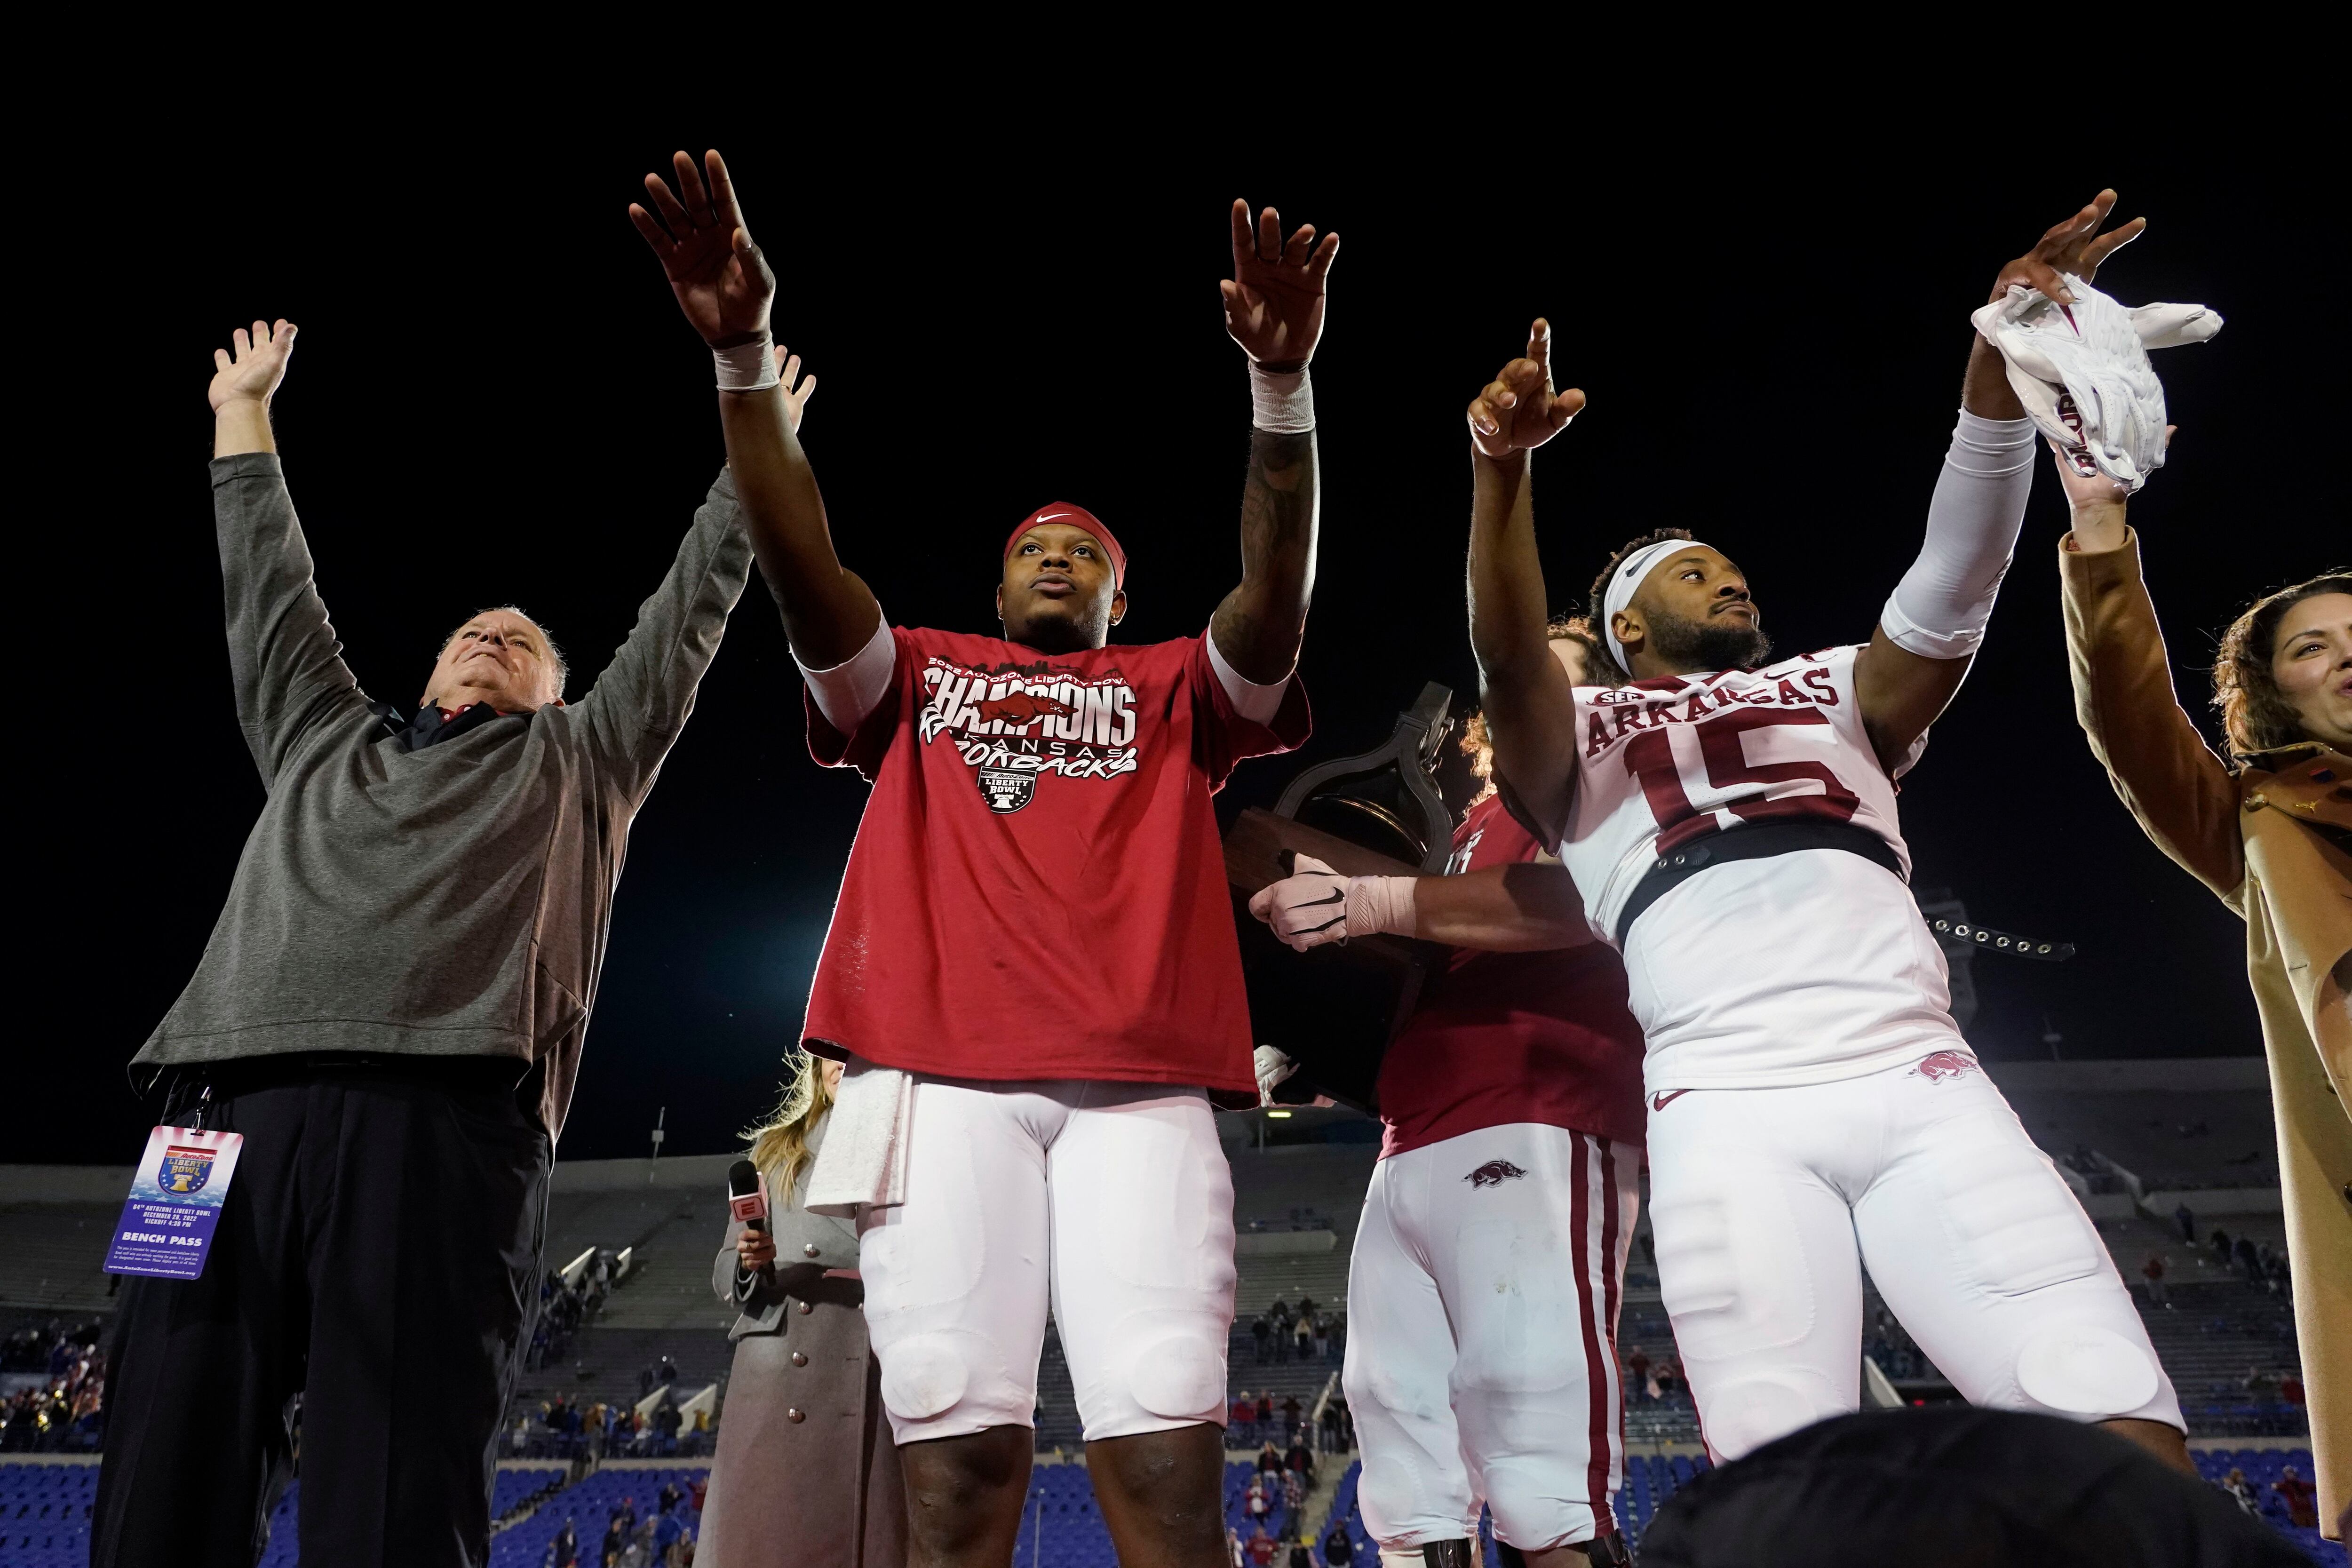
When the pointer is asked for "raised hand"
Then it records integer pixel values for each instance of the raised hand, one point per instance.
(721, 280)
(252, 373)
(796, 392)
(2076, 246)
(1274, 301)
(1518, 410)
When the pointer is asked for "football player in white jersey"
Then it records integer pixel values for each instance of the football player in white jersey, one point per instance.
(1731, 825)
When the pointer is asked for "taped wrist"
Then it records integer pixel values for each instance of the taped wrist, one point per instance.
(1939, 609)
(1379, 904)
(1281, 404)
(748, 367)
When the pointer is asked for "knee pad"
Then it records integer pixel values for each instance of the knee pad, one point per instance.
(2082, 1369)
(1178, 1376)
(924, 1375)
(1742, 1416)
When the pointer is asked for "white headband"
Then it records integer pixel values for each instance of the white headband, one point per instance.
(1625, 580)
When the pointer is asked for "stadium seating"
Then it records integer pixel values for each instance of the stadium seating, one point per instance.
(44, 1515)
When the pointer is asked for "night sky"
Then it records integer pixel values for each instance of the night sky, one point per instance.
(495, 399)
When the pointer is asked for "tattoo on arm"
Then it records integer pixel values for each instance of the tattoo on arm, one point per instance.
(1259, 626)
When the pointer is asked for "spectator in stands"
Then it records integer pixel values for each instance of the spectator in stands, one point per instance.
(1322, 1341)
(1306, 1338)
(1339, 1552)
(1638, 1363)
(1234, 1552)
(2296, 1493)
(806, 1470)
(1262, 1337)
(1301, 1556)
(1280, 1313)
(1300, 1460)
(2290, 1387)
(1260, 1548)
(615, 1540)
(1269, 1458)
(1330, 1424)
(396, 991)
(2234, 1483)
(2153, 1272)
(1294, 1493)
(2264, 829)
(1241, 1429)
(1256, 1501)
(1291, 1411)
(1266, 1416)
(2186, 1221)
(2219, 1242)
(2277, 1275)
(563, 1552)
(2249, 1262)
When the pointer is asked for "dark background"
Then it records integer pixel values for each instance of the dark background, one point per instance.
(494, 399)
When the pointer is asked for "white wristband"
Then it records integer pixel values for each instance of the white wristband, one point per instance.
(1381, 904)
(1281, 405)
(748, 367)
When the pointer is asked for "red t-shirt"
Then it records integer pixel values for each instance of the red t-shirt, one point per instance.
(1037, 890)
(1502, 1038)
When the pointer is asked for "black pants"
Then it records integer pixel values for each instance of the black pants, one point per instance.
(379, 1254)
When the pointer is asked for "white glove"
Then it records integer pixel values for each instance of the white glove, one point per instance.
(2082, 372)
(1316, 905)
(1272, 1067)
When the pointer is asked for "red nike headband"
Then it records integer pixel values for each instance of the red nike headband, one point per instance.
(1076, 517)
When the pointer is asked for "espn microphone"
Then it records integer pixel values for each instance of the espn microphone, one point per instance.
(746, 1199)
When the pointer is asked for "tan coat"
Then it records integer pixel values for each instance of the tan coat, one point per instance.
(2274, 839)
(806, 1473)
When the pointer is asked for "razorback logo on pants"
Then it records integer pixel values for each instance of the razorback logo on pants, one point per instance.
(1944, 1065)
(1493, 1174)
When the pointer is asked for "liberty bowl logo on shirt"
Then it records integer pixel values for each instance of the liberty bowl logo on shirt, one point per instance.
(184, 1170)
(1006, 791)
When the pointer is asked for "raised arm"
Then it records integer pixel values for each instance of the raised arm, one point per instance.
(724, 285)
(1502, 909)
(1274, 310)
(2183, 797)
(1527, 695)
(285, 664)
(1927, 634)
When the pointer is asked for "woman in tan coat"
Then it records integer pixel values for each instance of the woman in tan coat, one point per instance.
(2270, 830)
(806, 1472)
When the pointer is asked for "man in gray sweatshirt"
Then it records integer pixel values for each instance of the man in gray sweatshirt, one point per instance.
(390, 1012)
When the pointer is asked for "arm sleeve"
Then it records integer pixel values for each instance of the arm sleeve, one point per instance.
(1257, 703)
(286, 665)
(853, 689)
(863, 743)
(1224, 732)
(2185, 798)
(1939, 609)
(641, 700)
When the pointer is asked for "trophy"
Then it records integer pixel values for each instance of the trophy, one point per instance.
(1335, 1010)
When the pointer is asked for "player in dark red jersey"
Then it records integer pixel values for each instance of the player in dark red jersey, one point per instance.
(1488, 1267)
(1032, 970)
(1731, 825)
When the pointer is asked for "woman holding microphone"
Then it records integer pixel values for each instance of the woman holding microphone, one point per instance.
(805, 1471)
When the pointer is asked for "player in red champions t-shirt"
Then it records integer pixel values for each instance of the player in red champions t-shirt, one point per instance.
(1032, 970)
(1484, 1291)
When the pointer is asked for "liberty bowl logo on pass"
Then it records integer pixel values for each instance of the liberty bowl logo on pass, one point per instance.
(184, 1170)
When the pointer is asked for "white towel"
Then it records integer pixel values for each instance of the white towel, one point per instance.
(862, 1164)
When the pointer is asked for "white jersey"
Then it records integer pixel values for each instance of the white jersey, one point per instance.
(1798, 968)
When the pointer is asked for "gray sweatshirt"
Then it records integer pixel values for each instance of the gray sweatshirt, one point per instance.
(451, 900)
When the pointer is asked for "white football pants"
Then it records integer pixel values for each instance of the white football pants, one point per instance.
(1482, 1336)
(1765, 1202)
(1112, 1200)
